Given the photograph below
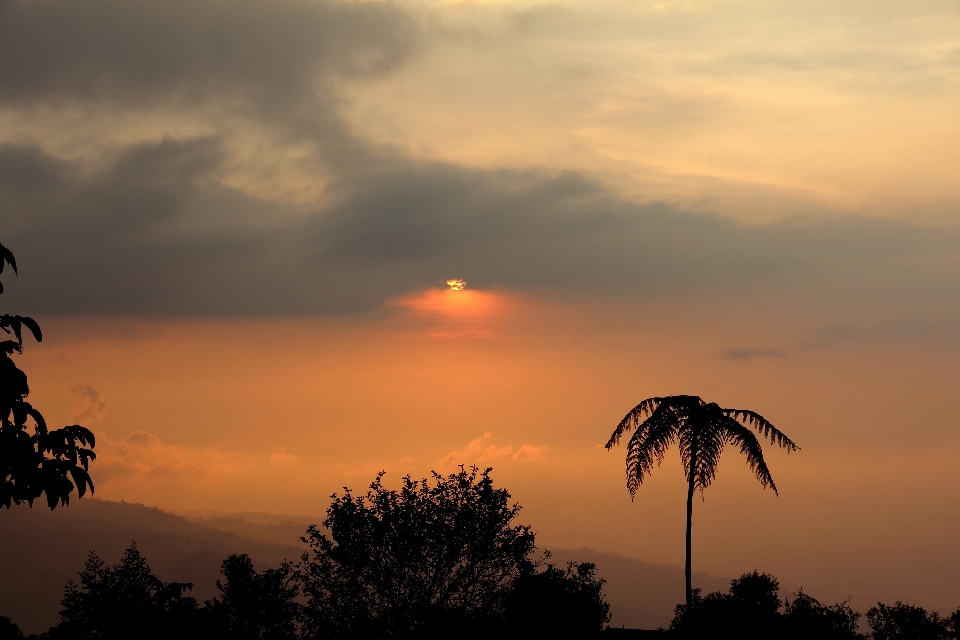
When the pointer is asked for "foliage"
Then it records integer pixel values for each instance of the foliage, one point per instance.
(906, 622)
(9, 629)
(558, 603)
(123, 601)
(751, 611)
(702, 430)
(807, 618)
(430, 557)
(256, 606)
(42, 462)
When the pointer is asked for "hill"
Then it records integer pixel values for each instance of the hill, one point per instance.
(41, 550)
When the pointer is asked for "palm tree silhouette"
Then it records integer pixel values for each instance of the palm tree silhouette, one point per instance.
(702, 430)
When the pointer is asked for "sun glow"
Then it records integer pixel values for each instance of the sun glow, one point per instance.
(458, 312)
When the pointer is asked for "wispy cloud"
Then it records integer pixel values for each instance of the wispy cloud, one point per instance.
(484, 451)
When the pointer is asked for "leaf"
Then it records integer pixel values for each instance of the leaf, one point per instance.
(7, 255)
(31, 324)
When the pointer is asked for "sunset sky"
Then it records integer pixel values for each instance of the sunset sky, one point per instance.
(235, 219)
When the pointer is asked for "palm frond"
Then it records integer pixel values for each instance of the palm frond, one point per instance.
(750, 447)
(710, 443)
(763, 427)
(648, 445)
(633, 419)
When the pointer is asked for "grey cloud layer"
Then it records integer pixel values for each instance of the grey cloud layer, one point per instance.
(153, 230)
(149, 235)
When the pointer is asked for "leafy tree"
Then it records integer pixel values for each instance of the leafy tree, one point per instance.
(751, 611)
(701, 430)
(256, 606)
(432, 557)
(906, 622)
(42, 462)
(807, 618)
(9, 630)
(558, 603)
(124, 601)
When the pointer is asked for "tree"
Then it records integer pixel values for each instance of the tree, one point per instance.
(701, 430)
(807, 618)
(558, 603)
(124, 601)
(256, 606)
(9, 630)
(433, 557)
(42, 462)
(907, 622)
(751, 611)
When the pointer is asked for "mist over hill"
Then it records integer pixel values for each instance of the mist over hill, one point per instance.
(41, 550)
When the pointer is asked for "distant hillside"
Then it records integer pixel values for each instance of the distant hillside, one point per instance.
(265, 527)
(641, 595)
(41, 550)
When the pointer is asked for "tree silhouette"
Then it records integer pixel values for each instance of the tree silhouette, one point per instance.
(751, 611)
(256, 606)
(701, 430)
(907, 622)
(45, 461)
(437, 556)
(124, 601)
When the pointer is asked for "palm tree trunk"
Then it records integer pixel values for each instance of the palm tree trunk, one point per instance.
(690, 490)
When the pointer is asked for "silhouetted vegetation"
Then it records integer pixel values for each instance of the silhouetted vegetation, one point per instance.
(752, 610)
(435, 556)
(702, 430)
(112, 601)
(904, 621)
(432, 559)
(42, 462)
(256, 606)
(9, 629)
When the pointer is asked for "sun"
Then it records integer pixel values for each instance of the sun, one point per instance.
(457, 285)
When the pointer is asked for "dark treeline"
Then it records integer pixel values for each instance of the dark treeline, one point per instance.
(434, 559)
(752, 610)
(419, 562)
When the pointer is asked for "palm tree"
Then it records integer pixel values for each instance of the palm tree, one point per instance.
(702, 430)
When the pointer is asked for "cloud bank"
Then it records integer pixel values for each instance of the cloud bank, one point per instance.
(138, 178)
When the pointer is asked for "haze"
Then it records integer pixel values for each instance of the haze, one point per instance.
(235, 220)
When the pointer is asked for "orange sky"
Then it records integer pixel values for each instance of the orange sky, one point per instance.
(275, 414)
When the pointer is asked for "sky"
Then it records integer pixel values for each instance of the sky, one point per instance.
(235, 219)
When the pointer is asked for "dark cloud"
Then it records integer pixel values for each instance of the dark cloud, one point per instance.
(271, 52)
(153, 233)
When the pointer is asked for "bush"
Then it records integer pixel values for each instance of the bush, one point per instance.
(751, 611)
(807, 618)
(906, 622)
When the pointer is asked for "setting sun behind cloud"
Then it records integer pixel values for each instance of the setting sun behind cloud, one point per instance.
(459, 312)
